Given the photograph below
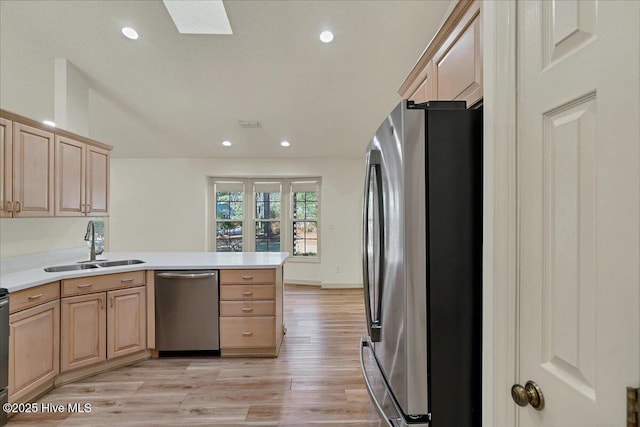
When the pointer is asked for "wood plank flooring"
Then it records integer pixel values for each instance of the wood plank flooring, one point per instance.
(316, 380)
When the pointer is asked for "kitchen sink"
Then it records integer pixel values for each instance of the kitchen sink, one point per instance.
(71, 267)
(121, 262)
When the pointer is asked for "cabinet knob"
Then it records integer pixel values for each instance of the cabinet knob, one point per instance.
(247, 333)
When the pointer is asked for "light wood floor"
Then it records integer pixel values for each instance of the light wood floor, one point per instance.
(316, 380)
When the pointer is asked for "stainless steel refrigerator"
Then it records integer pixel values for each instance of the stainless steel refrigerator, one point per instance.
(422, 262)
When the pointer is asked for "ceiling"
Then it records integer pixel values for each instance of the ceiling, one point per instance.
(186, 93)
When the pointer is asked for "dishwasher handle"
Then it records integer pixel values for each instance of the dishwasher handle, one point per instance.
(186, 275)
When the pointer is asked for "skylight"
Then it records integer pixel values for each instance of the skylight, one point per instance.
(199, 16)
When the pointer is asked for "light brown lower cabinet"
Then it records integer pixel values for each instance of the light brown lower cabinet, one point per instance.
(102, 326)
(251, 312)
(84, 331)
(33, 349)
(126, 322)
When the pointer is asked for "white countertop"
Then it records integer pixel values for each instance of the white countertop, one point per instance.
(28, 278)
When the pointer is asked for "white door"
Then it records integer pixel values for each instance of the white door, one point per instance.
(578, 144)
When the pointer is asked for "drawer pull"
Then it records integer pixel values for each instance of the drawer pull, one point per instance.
(247, 277)
(88, 285)
(126, 280)
(34, 296)
(247, 293)
(247, 308)
(247, 333)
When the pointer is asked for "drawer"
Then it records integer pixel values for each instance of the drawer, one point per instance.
(33, 296)
(247, 308)
(105, 282)
(247, 332)
(229, 277)
(247, 292)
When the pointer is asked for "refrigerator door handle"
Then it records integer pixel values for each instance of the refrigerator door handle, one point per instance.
(377, 326)
(364, 343)
(365, 255)
(373, 324)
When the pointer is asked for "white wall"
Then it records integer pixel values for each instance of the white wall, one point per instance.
(161, 205)
(24, 236)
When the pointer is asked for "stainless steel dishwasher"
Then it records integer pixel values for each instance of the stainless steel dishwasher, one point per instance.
(187, 310)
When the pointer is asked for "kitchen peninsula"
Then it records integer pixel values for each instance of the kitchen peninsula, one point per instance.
(67, 325)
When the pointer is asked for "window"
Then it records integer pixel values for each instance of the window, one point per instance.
(268, 206)
(229, 207)
(282, 215)
(305, 218)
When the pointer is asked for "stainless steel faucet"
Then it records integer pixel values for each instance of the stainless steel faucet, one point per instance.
(91, 229)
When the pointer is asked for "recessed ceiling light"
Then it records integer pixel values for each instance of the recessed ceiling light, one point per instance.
(49, 123)
(285, 143)
(226, 143)
(326, 36)
(130, 33)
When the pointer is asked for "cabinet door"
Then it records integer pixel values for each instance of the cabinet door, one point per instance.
(126, 322)
(70, 177)
(6, 168)
(97, 182)
(83, 331)
(33, 151)
(458, 63)
(425, 91)
(33, 348)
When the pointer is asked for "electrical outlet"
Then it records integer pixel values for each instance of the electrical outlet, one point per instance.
(337, 269)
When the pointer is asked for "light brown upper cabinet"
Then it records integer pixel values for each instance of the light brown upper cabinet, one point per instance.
(426, 91)
(32, 172)
(45, 172)
(450, 68)
(6, 168)
(26, 170)
(458, 63)
(82, 179)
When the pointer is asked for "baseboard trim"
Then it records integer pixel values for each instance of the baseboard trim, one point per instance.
(342, 286)
(324, 285)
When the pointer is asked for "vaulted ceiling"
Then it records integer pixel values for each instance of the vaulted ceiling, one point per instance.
(185, 94)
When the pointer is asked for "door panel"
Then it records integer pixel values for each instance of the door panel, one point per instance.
(126, 322)
(83, 331)
(33, 348)
(33, 151)
(579, 209)
(70, 177)
(97, 182)
(6, 168)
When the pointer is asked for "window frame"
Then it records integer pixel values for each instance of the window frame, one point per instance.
(249, 206)
(214, 231)
(293, 220)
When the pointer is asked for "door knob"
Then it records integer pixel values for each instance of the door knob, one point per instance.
(531, 393)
